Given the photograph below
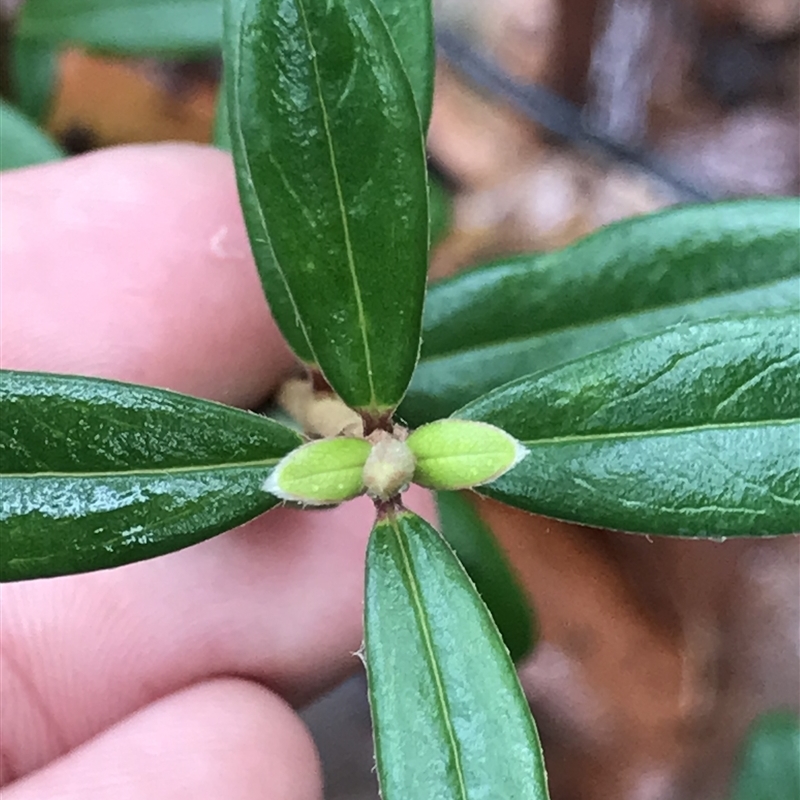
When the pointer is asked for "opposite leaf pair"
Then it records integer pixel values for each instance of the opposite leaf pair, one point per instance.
(447, 455)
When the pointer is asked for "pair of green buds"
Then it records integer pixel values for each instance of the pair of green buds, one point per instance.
(449, 454)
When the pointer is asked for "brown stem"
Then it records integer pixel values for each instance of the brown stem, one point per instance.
(381, 422)
(387, 508)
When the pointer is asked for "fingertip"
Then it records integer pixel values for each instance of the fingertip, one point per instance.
(223, 738)
(133, 263)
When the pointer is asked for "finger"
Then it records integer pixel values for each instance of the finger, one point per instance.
(133, 263)
(279, 601)
(224, 739)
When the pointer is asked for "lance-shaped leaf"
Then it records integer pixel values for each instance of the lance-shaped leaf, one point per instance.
(486, 564)
(125, 26)
(94, 473)
(331, 170)
(692, 432)
(492, 325)
(22, 144)
(283, 307)
(450, 719)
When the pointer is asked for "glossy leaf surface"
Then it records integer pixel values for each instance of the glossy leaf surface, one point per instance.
(497, 323)
(692, 432)
(450, 719)
(125, 26)
(97, 473)
(35, 72)
(486, 564)
(22, 143)
(280, 300)
(331, 169)
(769, 765)
(410, 23)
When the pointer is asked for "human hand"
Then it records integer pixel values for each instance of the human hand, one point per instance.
(176, 677)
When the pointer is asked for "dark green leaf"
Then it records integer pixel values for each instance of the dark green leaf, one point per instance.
(21, 142)
(410, 23)
(449, 716)
(125, 26)
(691, 432)
(331, 168)
(769, 766)
(493, 325)
(35, 71)
(487, 566)
(97, 473)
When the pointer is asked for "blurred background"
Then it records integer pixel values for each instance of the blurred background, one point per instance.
(650, 659)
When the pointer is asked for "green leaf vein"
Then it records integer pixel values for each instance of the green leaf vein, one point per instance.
(176, 471)
(419, 612)
(342, 210)
(625, 435)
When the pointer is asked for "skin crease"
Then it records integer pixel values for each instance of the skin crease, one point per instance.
(171, 678)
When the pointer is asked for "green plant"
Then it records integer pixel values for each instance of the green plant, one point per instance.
(649, 373)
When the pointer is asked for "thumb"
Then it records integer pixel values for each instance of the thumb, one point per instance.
(133, 263)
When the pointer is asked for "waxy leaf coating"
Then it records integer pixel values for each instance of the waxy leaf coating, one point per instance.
(691, 432)
(330, 162)
(450, 719)
(95, 473)
(458, 454)
(491, 325)
(320, 473)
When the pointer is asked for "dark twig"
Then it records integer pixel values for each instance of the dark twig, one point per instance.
(555, 113)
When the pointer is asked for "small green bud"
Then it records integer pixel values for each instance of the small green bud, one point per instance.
(389, 468)
(458, 453)
(321, 473)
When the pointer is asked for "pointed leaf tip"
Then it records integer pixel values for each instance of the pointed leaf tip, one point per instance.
(330, 164)
(321, 473)
(459, 454)
(450, 722)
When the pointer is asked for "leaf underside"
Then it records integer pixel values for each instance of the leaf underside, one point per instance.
(486, 564)
(495, 324)
(130, 27)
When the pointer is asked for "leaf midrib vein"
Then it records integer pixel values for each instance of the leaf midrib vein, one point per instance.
(427, 639)
(167, 471)
(345, 225)
(631, 314)
(577, 438)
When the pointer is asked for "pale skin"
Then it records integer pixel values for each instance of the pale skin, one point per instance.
(176, 677)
